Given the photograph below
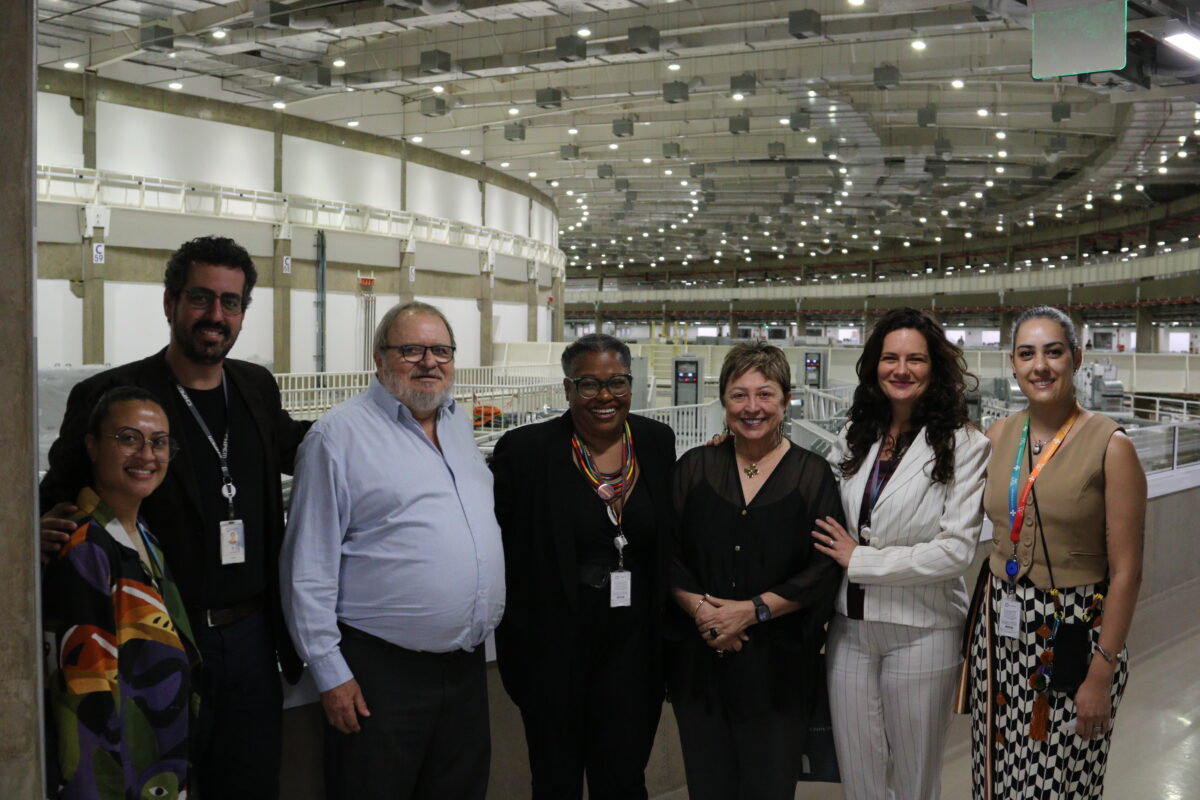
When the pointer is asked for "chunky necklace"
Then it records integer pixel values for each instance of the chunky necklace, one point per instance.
(608, 488)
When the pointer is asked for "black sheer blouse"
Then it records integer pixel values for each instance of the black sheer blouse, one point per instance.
(730, 549)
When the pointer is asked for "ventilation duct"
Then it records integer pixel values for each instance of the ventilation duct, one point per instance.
(316, 77)
(158, 38)
(744, 84)
(775, 150)
(887, 77)
(739, 124)
(514, 132)
(434, 62)
(643, 39)
(622, 128)
(271, 15)
(696, 170)
(548, 98)
(708, 185)
(672, 150)
(1060, 112)
(791, 171)
(434, 107)
(604, 171)
(621, 184)
(570, 48)
(942, 147)
(710, 197)
(569, 152)
(675, 92)
(800, 121)
(630, 197)
(804, 24)
(927, 116)
(829, 147)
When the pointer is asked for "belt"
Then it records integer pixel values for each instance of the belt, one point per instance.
(354, 633)
(216, 617)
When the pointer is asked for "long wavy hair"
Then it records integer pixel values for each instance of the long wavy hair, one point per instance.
(941, 410)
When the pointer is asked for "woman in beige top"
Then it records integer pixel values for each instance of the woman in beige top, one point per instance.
(1067, 556)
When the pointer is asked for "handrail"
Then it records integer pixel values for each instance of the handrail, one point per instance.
(1161, 409)
(101, 187)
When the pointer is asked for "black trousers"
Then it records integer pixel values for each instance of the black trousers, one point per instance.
(237, 740)
(604, 728)
(756, 759)
(427, 737)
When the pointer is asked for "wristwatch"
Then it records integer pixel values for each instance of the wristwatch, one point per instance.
(761, 610)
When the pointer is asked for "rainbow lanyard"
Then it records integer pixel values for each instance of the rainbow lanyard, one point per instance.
(609, 490)
(1016, 509)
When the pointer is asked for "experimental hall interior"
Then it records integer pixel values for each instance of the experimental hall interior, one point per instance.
(682, 174)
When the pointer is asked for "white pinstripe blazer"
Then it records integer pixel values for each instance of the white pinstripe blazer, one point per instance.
(923, 534)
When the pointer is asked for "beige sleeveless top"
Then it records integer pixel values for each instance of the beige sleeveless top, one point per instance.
(1070, 494)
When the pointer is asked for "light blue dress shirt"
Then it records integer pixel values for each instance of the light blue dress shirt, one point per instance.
(390, 535)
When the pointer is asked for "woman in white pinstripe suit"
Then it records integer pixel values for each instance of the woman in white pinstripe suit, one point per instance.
(911, 473)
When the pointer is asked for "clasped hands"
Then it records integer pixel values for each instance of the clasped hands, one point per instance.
(729, 618)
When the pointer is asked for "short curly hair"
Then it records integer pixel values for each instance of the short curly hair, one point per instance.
(219, 250)
(766, 358)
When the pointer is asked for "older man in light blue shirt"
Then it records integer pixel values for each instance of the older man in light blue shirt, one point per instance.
(393, 574)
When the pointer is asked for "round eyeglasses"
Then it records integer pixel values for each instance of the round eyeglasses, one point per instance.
(231, 304)
(618, 385)
(131, 441)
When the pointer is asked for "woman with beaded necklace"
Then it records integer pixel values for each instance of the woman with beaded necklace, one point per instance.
(1066, 495)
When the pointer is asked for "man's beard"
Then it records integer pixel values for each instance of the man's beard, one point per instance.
(418, 401)
(204, 353)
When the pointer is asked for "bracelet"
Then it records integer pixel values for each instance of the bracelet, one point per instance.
(703, 600)
(1107, 656)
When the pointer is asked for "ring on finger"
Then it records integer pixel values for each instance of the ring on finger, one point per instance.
(712, 633)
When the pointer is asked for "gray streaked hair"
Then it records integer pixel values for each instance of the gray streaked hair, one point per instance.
(410, 309)
(593, 343)
(1050, 313)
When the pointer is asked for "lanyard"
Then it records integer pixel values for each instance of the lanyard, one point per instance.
(1016, 508)
(228, 490)
(610, 491)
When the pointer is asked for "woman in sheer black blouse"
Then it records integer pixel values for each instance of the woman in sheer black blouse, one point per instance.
(753, 593)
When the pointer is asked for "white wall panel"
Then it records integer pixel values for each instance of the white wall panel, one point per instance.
(58, 222)
(543, 324)
(343, 329)
(511, 268)
(59, 132)
(446, 258)
(329, 172)
(544, 225)
(443, 194)
(304, 330)
(510, 322)
(134, 325)
(59, 325)
(360, 248)
(463, 314)
(507, 211)
(157, 230)
(153, 143)
(256, 342)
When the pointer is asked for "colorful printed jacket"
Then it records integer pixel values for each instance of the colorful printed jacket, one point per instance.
(120, 690)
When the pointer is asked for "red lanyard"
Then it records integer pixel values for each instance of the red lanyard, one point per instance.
(1017, 513)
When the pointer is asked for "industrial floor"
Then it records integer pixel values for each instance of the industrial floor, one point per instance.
(1156, 741)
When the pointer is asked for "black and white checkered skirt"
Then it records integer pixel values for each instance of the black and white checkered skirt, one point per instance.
(1063, 767)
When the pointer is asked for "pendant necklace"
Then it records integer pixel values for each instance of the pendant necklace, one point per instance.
(751, 471)
(1037, 447)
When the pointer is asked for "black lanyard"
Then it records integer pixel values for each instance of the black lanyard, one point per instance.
(228, 490)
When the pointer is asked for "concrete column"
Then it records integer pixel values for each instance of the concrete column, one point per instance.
(1008, 257)
(1006, 322)
(531, 310)
(93, 299)
(89, 121)
(1077, 320)
(599, 320)
(408, 289)
(21, 770)
(281, 289)
(278, 185)
(868, 322)
(871, 268)
(733, 325)
(1079, 249)
(1147, 334)
(486, 338)
(558, 319)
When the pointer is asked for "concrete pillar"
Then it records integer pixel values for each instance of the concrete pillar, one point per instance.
(278, 183)
(1077, 320)
(408, 286)
(531, 311)
(871, 268)
(1006, 322)
(599, 320)
(281, 289)
(733, 325)
(21, 770)
(486, 334)
(558, 318)
(1079, 249)
(93, 298)
(1147, 334)
(1008, 257)
(89, 121)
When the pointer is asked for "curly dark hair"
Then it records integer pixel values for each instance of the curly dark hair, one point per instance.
(218, 250)
(941, 410)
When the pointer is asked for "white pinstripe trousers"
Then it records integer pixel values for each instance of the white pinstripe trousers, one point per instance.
(890, 689)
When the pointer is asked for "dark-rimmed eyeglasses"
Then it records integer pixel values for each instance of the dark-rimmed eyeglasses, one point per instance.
(618, 385)
(415, 353)
(131, 441)
(199, 298)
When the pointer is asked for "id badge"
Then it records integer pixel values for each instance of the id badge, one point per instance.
(620, 591)
(1010, 618)
(233, 542)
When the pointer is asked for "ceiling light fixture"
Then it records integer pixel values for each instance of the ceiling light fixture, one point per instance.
(613, 146)
(739, 96)
(957, 83)
(339, 62)
(175, 85)
(419, 139)
(352, 123)
(438, 89)
(219, 33)
(918, 44)
(1177, 34)
(466, 151)
(673, 67)
(584, 32)
(71, 65)
(647, 160)
(279, 104)
(513, 111)
(983, 112)
(572, 130)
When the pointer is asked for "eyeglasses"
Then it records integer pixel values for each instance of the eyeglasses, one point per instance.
(231, 303)
(415, 353)
(618, 385)
(131, 441)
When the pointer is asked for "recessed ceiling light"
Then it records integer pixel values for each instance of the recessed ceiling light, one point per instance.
(352, 123)
(812, 140)
(957, 83)
(279, 104)
(983, 112)
(857, 2)
(532, 174)
(647, 160)
(613, 146)
(784, 120)
(918, 44)
(739, 96)
(417, 139)
(1001, 135)
(466, 151)
(219, 33)
(439, 89)
(584, 32)
(668, 172)
(554, 183)
(339, 62)
(176, 85)
(504, 165)
(71, 65)
(349, 88)
(572, 130)
(278, 78)
(1002, 153)
(674, 67)
(513, 111)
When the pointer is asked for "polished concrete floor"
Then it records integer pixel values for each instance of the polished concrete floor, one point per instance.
(1156, 741)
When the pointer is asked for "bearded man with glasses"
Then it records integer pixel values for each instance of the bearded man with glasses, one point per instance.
(218, 514)
(584, 506)
(393, 575)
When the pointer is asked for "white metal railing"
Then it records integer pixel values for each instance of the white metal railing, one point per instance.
(308, 395)
(81, 186)
(693, 424)
(506, 374)
(497, 408)
(817, 404)
(1167, 447)
(1161, 409)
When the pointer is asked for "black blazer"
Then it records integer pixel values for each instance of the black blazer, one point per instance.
(532, 467)
(173, 511)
